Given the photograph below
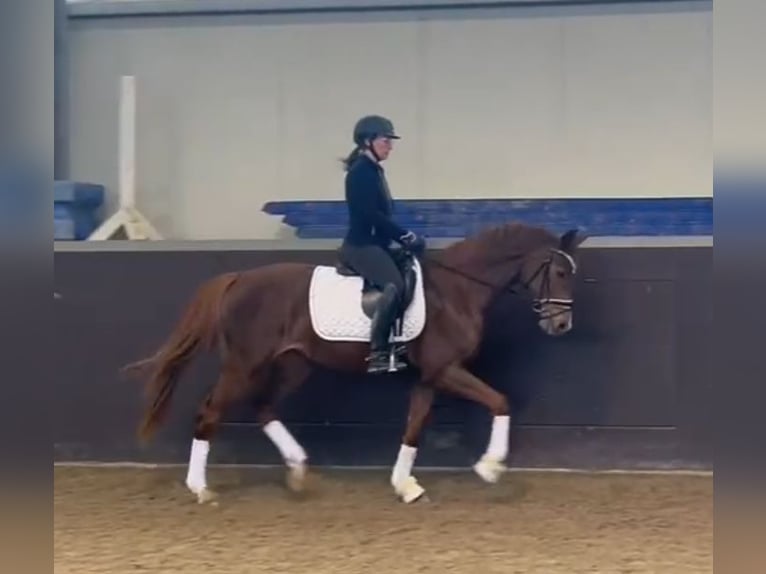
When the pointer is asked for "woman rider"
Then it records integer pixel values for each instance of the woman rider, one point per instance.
(371, 230)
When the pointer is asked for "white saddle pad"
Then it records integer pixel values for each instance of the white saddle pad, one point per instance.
(335, 305)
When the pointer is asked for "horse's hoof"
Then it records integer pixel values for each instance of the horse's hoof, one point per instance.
(410, 491)
(207, 496)
(296, 478)
(489, 469)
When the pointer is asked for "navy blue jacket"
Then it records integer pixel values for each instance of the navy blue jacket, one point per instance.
(369, 205)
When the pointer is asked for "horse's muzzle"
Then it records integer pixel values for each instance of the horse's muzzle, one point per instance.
(555, 316)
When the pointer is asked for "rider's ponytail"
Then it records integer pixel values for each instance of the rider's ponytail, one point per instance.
(351, 158)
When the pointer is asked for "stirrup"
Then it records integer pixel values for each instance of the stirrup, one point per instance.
(394, 362)
(378, 362)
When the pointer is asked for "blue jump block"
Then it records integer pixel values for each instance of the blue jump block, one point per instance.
(75, 209)
(462, 217)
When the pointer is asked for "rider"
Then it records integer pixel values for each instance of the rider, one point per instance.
(366, 246)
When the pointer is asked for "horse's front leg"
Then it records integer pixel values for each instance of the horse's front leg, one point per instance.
(459, 381)
(405, 485)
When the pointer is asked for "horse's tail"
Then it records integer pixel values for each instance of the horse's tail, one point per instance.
(197, 327)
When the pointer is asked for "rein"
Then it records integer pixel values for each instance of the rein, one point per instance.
(563, 305)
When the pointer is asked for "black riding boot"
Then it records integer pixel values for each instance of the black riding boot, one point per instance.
(380, 355)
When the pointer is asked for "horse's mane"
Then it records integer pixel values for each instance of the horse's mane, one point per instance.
(500, 241)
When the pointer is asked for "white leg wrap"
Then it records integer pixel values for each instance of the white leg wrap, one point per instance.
(491, 465)
(405, 485)
(195, 476)
(291, 451)
(498, 441)
(404, 463)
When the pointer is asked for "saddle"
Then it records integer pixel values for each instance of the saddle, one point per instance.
(371, 293)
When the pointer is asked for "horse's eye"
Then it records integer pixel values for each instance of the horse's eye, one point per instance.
(560, 273)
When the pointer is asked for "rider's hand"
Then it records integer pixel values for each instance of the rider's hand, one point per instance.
(414, 243)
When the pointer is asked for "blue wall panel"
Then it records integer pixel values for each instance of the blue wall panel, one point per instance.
(461, 217)
(106, 8)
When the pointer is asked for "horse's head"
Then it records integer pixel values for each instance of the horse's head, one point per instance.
(548, 272)
(514, 253)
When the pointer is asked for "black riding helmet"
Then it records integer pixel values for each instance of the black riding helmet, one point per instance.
(370, 127)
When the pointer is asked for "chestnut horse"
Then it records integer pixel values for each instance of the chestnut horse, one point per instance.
(260, 323)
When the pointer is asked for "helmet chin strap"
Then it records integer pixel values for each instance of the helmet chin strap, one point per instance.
(368, 147)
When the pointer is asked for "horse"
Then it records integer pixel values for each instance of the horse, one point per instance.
(271, 325)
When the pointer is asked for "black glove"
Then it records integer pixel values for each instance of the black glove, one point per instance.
(413, 243)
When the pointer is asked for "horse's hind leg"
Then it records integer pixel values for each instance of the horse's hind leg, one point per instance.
(290, 371)
(207, 423)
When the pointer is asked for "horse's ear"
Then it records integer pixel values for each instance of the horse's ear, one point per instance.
(571, 240)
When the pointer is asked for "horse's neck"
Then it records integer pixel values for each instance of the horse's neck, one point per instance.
(492, 258)
(473, 281)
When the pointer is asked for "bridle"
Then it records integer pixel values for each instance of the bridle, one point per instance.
(543, 295)
(562, 305)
